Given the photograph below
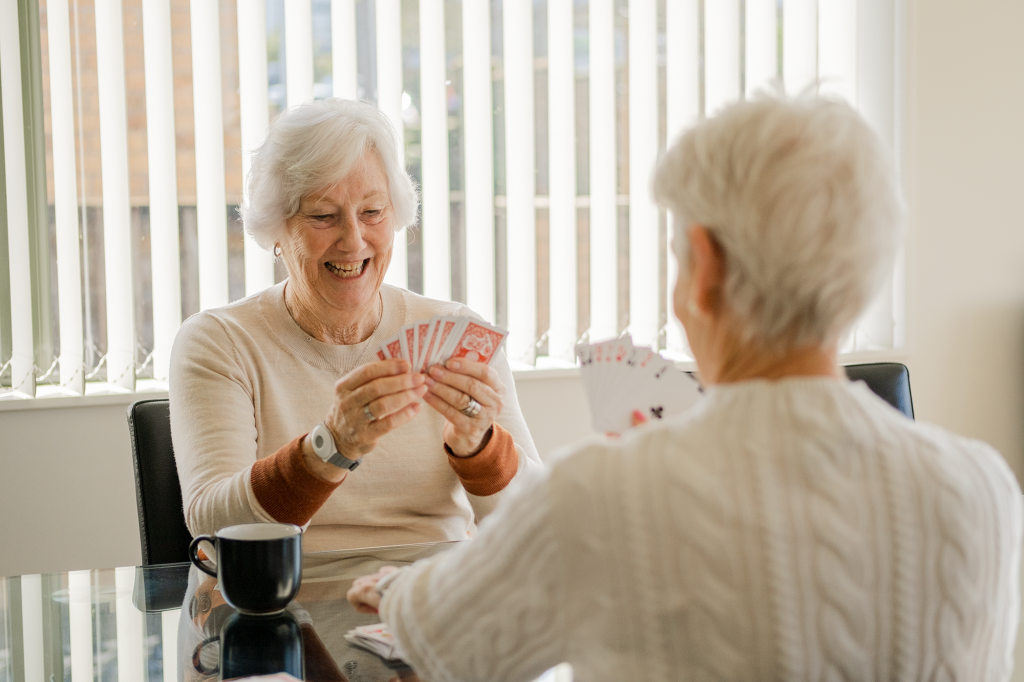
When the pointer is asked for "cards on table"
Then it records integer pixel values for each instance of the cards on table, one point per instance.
(620, 378)
(434, 341)
(374, 638)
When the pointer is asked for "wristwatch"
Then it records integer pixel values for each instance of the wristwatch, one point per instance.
(323, 445)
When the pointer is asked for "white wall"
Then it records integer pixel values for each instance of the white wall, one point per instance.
(66, 485)
(965, 172)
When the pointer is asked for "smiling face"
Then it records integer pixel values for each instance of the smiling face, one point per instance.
(337, 251)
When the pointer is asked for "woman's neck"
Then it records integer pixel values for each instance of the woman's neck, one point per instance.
(747, 363)
(331, 325)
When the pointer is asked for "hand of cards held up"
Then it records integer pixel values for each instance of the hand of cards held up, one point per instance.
(435, 341)
(620, 378)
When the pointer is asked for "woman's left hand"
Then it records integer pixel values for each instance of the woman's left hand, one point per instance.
(453, 390)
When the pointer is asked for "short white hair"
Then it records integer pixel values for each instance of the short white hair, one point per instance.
(315, 145)
(804, 201)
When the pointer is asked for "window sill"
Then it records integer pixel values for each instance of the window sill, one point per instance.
(98, 394)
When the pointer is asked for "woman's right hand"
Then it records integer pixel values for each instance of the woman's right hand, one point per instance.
(386, 391)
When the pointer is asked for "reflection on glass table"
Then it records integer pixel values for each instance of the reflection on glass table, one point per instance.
(168, 623)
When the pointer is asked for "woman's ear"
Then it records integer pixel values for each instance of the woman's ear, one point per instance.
(707, 272)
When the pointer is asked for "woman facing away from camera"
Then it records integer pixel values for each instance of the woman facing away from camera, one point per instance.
(792, 526)
(253, 381)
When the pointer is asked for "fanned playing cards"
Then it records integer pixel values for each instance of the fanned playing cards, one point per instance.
(620, 378)
(375, 639)
(435, 341)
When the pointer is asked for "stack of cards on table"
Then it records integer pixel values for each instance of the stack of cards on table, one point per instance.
(433, 342)
(620, 378)
(374, 638)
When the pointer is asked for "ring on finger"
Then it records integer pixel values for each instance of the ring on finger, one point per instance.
(369, 415)
(472, 408)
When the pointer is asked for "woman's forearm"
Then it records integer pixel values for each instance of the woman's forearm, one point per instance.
(287, 488)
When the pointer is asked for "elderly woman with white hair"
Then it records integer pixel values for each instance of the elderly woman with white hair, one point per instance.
(792, 526)
(250, 382)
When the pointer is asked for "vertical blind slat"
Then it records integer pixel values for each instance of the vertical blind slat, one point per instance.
(32, 626)
(23, 376)
(837, 49)
(344, 73)
(80, 618)
(761, 45)
(163, 182)
(298, 45)
(434, 139)
(643, 151)
(682, 110)
(479, 161)
(65, 194)
(877, 102)
(604, 281)
(390, 86)
(799, 44)
(562, 163)
(876, 77)
(254, 119)
(130, 661)
(211, 211)
(520, 181)
(117, 252)
(721, 54)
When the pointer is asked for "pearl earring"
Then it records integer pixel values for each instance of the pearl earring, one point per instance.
(277, 251)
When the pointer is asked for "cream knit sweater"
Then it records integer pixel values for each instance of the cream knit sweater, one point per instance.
(246, 380)
(790, 530)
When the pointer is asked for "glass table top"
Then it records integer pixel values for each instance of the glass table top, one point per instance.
(169, 622)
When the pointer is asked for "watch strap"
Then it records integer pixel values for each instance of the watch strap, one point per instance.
(342, 462)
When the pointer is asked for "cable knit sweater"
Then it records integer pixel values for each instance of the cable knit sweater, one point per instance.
(247, 382)
(790, 530)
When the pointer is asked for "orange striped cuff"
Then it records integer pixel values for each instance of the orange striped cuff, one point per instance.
(286, 488)
(490, 470)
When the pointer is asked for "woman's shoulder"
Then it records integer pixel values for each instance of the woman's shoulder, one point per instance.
(221, 324)
(418, 307)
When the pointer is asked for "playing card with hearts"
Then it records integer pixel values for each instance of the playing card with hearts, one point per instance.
(431, 342)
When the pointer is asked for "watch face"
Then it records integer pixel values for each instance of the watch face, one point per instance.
(323, 444)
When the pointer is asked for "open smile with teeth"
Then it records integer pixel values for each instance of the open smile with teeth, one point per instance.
(346, 270)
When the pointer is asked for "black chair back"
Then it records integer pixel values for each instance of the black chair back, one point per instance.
(888, 380)
(165, 538)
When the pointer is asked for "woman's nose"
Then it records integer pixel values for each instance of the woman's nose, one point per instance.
(351, 235)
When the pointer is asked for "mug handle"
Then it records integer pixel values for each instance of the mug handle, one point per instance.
(197, 663)
(193, 555)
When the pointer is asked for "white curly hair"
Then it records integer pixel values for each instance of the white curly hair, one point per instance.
(803, 199)
(314, 145)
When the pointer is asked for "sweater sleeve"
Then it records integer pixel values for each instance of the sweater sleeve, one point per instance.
(519, 460)
(213, 427)
(499, 592)
(286, 489)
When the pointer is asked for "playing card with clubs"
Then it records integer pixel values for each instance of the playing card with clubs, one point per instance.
(620, 378)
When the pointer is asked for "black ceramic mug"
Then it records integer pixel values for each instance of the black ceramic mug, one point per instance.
(259, 565)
